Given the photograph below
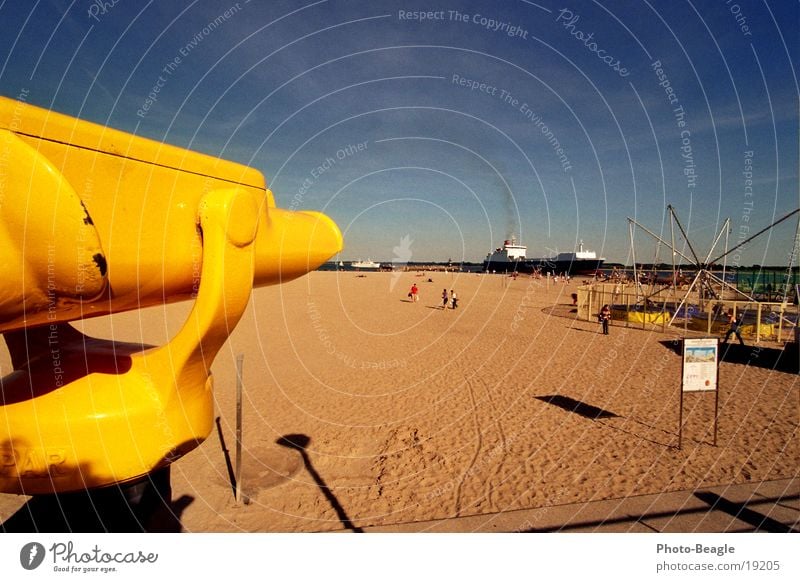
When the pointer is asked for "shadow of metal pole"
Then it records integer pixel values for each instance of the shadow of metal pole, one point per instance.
(300, 442)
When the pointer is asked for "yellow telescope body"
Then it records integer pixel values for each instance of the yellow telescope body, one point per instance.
(95, 221)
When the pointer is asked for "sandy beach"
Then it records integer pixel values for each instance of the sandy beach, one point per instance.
(406, 412)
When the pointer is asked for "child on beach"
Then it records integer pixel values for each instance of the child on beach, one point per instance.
(453, 299)
(444, 299)
(605, 317)
(414, 293)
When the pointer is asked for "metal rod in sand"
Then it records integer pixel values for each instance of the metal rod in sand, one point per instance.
(239, 365)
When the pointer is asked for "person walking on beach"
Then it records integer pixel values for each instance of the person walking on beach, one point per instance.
(414, 293)
(453, 299)
(444, 299)
(735, 323)
(605, 317)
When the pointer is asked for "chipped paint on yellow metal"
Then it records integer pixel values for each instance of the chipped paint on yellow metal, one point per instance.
(96, 221)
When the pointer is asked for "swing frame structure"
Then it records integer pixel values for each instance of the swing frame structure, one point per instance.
(707, 286)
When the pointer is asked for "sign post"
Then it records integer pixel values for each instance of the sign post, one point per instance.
(699, 373)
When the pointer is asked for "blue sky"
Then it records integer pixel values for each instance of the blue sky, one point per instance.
(552, 121)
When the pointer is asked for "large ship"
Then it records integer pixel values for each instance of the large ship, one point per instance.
(511, 257)
(580, 262)
(368, 265)
(508, 258)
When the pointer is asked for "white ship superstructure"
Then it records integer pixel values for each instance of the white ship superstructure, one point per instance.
(509, 257)
(366, 265)
(512, 257)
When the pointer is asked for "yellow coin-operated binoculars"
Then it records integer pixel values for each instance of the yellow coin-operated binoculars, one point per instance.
(94, 221)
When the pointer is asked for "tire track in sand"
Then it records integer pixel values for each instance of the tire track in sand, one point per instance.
(469, 382)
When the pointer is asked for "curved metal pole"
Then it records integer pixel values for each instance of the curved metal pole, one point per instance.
(792, 258)
(683, 232)
(631, 222)
(759, 233)
(725, 262)
(658, 238)
(683, 301)
(674, 274)
(716, 240)
(733, 288)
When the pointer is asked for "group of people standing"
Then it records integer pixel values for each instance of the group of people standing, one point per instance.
(450, 299)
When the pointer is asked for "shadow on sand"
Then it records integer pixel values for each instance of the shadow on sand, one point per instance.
(757, 522)
(778, 359)
(144, 506)
(578, 407)
(591, 412)
(299, 442)
(742, 512)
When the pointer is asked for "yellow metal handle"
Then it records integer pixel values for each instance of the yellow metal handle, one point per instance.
(107, 413)
(228, 220)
